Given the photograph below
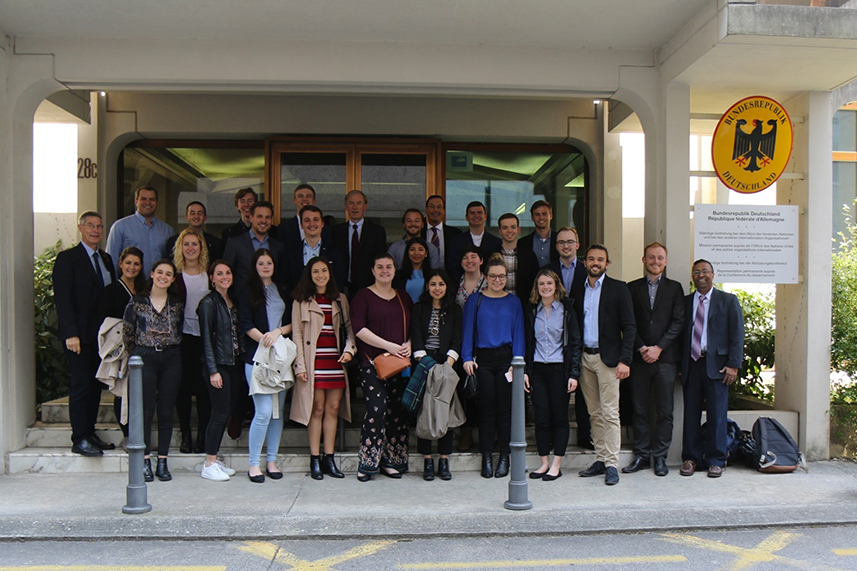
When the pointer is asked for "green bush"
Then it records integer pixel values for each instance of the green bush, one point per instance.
(759, 342)
(843, 345)
(51, 366)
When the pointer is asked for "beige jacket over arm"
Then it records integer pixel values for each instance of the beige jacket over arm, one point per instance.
(307, 320)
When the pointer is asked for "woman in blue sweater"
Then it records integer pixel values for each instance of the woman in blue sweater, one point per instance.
(498, 319)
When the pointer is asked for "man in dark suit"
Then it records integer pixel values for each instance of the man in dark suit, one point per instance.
(312, 245)
(659, 316)
(240, 249)
(290, 232)
(542, 241)
(572, 274)
(196, 215)
(360, 240)
(80, 275)
(476, 235)
(436, 231)
(713, 352)
(521, 263)
(608, 348)
(245, 198)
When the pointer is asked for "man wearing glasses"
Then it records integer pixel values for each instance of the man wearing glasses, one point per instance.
(713, 351)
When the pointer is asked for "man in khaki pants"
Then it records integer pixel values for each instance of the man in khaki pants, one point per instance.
(608, 348)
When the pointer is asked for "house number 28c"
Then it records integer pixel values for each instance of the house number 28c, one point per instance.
(86, 168)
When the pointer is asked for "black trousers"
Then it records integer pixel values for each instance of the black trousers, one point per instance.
(384, 435)
(444, 443)
(84, 392)
(221, 405)
(495, 399)
(549, 392)
(162, 371)
(117, 411)
(193, 383)
(653, 382)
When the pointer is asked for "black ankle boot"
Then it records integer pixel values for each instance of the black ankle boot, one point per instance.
(502, 466)
(199, 447)
(487, 466)
(187, 443)
(443, 469)
(428, 470)
(328, 466)
(315, 468)
(147, 470)
(162, 472)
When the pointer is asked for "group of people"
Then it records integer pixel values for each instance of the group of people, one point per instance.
(264, 308)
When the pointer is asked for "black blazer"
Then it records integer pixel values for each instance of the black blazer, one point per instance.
(249, 318)
(661, 325)
(525, 275)
(725, 335)
(288, 232)
(577, 280)
(616, 328)
(527, 242)
(114, 299)
(232, 231)
(490, 245)
(449, 234)
(449, 333)
(239, 254)
(215, 246)
(373, 240)
(572, 343)
(77, 293)
(295, 264)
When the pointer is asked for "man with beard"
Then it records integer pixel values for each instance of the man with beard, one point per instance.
(608, 347)
(412, 224)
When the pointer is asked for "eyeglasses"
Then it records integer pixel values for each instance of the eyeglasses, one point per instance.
(496, 277)
(93, 226)
(566, 242)
(696, 273)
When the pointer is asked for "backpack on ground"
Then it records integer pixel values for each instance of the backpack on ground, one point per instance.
(776, 451)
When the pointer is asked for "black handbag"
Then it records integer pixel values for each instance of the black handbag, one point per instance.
(470, 385)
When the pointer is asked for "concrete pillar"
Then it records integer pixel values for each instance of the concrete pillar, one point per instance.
(87, 150)
(24, 82)
(803, 309)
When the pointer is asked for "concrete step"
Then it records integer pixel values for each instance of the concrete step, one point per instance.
(62, 460)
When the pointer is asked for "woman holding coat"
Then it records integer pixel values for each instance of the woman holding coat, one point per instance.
(321, 328)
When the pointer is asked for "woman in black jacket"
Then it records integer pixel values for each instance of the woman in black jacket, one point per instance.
(221, 346)
(436, 332)
(552, 369)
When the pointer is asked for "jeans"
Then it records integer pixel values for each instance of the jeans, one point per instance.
(264, 427)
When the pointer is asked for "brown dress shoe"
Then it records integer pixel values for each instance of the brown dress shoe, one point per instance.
(688, 467)
(715, 471)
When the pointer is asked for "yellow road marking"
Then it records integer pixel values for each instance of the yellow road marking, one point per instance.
(748, 556)
(846, 552)
(272, 552)
(114, 568)
(546, 562)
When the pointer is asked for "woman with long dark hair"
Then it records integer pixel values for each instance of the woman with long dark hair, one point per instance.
(321, 328)
(436, 332)
(191, 260)
(221, 347)
(414, 266)
(380, 315)
(498, 319)
(153, 331)
(552, 367)
(266, 314)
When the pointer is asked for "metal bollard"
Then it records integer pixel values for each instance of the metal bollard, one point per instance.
(136, 492)
(518, 482)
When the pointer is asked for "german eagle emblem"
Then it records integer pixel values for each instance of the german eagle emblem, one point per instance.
(754, 147)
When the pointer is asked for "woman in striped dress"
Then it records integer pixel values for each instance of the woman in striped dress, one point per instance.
(325, 342)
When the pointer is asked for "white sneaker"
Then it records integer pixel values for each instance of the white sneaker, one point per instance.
(224, 468)
(214, 473)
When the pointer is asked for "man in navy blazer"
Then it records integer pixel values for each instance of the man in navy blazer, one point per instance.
(608, 346)
(712, 355)
(476, 234)
(80, 275)
(659, 315)
(360, 252)
(240, 249)
(313, 244)
(289, 232)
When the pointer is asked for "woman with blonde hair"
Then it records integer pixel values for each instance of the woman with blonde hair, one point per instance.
(191, 260)
(321, 328)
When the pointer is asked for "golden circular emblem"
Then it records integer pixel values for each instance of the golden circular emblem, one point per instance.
(752, 144)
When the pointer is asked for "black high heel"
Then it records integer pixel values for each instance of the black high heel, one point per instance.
(487, 466)
(315, 468)
(328, 466)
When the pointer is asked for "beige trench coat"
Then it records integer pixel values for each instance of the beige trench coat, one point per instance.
(307, 320)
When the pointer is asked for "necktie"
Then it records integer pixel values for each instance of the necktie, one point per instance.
(355, 245)
(434, 238)
(98, 270)
(698, 322)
